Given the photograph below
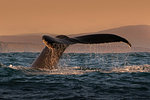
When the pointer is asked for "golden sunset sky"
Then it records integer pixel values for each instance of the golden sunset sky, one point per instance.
(70, 16)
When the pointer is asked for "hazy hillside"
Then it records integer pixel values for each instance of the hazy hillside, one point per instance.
(20, 47)
(138, 35)
(30, 38)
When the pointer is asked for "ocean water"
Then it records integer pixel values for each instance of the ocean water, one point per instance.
(80, 76)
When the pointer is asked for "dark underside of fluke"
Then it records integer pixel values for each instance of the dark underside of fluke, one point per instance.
(55, 47)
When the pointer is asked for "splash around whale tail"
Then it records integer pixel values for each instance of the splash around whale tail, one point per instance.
(55, 47)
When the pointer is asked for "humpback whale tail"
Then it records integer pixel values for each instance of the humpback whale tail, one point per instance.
(55, 47)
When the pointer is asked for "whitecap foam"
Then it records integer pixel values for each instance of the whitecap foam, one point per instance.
(79, 70)
(59, 71)
(133, 68)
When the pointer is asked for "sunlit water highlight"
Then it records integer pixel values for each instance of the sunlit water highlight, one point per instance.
(80, 76)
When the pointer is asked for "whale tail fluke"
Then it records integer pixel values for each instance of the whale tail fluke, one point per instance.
(101, 38)
(55, 47)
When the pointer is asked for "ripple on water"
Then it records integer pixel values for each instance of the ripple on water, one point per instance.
(112, 77)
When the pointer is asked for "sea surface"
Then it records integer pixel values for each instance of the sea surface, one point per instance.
(80, 76)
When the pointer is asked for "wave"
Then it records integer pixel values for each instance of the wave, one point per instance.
(11, 70)
(133, 68)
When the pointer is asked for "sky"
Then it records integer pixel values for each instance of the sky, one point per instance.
(70, 16)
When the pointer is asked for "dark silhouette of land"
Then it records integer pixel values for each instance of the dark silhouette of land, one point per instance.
(137, 35)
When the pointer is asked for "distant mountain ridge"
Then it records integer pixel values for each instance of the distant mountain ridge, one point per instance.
(138, 35)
